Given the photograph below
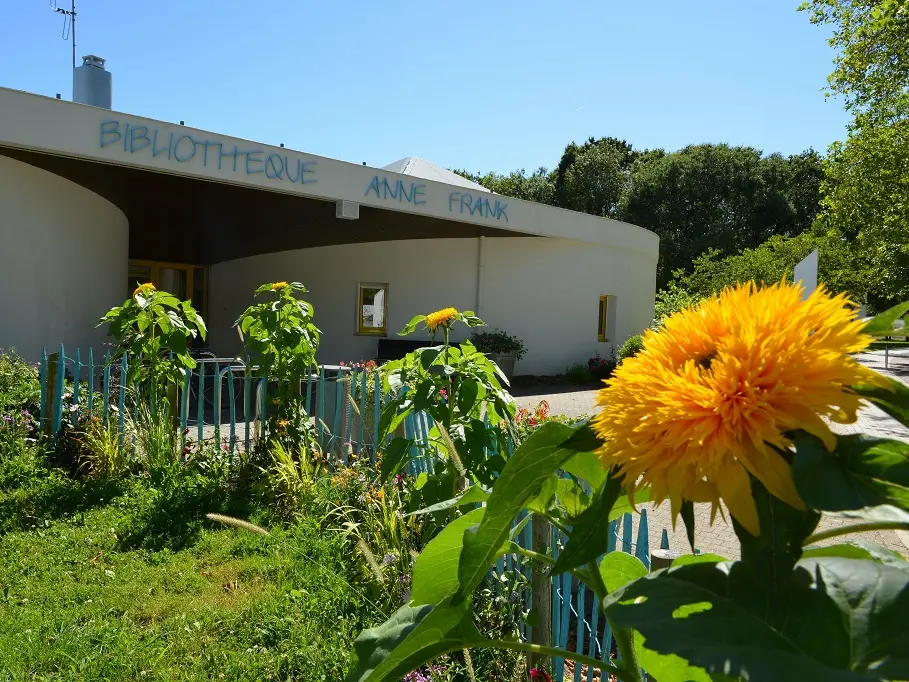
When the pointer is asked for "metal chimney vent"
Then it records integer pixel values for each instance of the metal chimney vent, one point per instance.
(92, 83)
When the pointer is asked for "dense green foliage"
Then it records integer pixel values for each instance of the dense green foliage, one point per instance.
(632, 346)
(702, 196)
(867, 186)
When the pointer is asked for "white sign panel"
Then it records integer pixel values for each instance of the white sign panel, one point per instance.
(806, 273)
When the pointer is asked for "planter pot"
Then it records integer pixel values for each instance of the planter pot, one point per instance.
(505, 361)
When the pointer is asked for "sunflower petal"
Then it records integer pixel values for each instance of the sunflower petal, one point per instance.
(773, 471)
(735, 488)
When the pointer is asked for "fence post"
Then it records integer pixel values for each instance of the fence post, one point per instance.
(49, 390)
(60, 379)
(541, 591)
(121, 415)
(90, 387)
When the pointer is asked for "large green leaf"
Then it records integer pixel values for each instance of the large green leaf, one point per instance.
(412, 325)
(874, 600)
(882, 325)
(435, 573)
(472, 495)
(769, 558)
(859, 549)
(584, 439)
(706, 614)
(667, 667)
(394, 456)
(893, 400)
(687, 559)
(623, 505)
(412, 637)
(617, 569)
(590, 535)
(588, 467)
(528, 469)
(863, 472)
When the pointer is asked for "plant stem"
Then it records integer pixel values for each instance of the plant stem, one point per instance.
(619, 672)
(624, 641)
(855, 528)
(535, 556)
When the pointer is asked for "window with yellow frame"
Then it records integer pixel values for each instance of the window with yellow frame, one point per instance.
(183, 280)
(601, 319)
(372, 308)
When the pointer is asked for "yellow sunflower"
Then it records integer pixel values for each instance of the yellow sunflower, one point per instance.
(709, 398)
(144, 289)
(440, 317)
(278, 285)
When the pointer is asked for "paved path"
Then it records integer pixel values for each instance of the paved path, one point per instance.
(720, 538)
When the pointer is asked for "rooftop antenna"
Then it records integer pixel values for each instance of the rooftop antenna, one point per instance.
(69, 23)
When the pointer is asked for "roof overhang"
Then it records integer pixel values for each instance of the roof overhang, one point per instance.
(227, 197)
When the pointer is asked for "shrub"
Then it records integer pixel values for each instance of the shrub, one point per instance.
(499, 343)
(600, 368)
(20, 388)
(579, 374)
(631, 347)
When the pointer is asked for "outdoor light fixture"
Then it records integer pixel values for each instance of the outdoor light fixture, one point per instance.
(347, 210)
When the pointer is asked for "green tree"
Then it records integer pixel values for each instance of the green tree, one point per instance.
(596, 180)
(721, 197)
(867, 181)
(841, 267)
(538, 186)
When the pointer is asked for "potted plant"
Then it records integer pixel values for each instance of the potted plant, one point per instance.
(500, 347)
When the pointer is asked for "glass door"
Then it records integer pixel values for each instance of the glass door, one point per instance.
(182, 280)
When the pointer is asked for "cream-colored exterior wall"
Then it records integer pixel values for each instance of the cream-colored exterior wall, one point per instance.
(63, 263)
(545, 291)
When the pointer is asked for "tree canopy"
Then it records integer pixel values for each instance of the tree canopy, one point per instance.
(866, 190)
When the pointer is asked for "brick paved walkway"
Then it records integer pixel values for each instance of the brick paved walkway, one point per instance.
(720, 538)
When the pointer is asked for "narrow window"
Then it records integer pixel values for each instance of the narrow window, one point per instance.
(372, 308)
(601, 320)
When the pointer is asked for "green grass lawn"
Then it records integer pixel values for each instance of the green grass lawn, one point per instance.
(80, 602)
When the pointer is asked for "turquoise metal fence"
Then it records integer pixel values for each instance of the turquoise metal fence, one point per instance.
(221, 400)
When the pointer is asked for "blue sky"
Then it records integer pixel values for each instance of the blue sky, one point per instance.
(493, 85)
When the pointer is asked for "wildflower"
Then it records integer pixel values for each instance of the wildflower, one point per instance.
(440, 317)
(539, 675)
(389, 559)
(278, 285)
(283, 423)
(712, 394)
(144, 289)
(443, 394)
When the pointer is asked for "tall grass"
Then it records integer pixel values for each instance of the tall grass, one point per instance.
(155, 439)
(104, 456)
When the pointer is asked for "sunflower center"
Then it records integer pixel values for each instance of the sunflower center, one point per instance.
(706, 361)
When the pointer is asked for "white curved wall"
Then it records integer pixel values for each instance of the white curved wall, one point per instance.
(63, 263)
(543, 290)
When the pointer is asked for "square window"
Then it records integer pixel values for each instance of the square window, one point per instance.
(372, 308)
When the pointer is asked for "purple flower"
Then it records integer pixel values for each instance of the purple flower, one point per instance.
(389, 559)
(7, 418)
